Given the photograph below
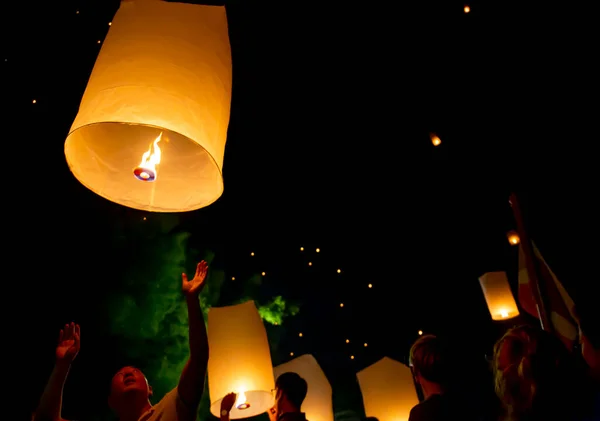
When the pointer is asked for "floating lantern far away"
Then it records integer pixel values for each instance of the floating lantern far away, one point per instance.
(152, 125)
(498, 296)
(513, 238)
(435, 139)
(388, 390)
(318, 405)
(240, 360)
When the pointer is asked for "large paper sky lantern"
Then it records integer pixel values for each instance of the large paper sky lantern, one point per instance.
(388, 390)
(240, 360)
(152, 125)
(498, 296)
(318, 405)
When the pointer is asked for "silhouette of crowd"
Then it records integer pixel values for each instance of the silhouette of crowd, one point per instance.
(535, 377)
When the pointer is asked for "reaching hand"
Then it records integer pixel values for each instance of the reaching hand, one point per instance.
(228, 401)
(193, 287)
(68, 343)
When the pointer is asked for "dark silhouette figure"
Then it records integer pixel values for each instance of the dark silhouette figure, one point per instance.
(430, 360)
(290, 392)
(535, 377)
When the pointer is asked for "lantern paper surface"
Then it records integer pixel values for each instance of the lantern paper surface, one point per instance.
(240, 360)
(318, 405)
(152, 125)
(388, 390)
(498, 296)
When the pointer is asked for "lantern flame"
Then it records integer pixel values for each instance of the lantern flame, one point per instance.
(241, 401)
(504, 313)
(146, 171)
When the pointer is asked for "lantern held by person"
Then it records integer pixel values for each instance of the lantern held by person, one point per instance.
(318, 405)
(151, 128)
(388, 390)
(240, 360)
(498, 296)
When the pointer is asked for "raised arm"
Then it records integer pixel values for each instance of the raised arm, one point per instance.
(191, 382)
(50, 406)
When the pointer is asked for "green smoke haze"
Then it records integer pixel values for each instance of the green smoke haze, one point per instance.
(147, 312)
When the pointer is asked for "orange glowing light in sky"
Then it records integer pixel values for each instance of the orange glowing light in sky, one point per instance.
(513, 238)
(435, 140)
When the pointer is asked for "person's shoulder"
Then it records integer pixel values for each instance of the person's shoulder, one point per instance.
(171, 407)
(418, 412)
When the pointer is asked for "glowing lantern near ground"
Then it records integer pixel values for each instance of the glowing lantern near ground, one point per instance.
(498, 296)
(240, 360)
(388, 390)
(513, 238)
(152, 125)
(318, 405)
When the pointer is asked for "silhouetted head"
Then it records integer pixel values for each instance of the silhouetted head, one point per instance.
(290, 392)
(430, 360)
(128, 386)
(532, 372)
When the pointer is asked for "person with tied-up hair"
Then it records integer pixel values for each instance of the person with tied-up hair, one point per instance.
(535, 378)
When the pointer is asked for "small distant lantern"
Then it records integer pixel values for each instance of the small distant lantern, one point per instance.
(151, 128)
(498, 296)
(388, 390)
(513, 238)
(318, 404)
(240, 360)
(435, 140)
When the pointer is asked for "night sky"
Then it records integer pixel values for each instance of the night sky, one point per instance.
(328, 148)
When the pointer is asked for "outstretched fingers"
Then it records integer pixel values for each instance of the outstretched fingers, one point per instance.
(69, 332)
(201, 268)
(77, 335)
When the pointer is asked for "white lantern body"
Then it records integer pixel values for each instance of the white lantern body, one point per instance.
(318, 405)
(388, 390)
(164, 68)
(240, 360)
(498, 296)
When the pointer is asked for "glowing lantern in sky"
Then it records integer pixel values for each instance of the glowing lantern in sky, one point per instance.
(152, 125)
(498, 296)
(513, 238)
(388, 390)
(240, 360)
(318, 405)
(435, 139)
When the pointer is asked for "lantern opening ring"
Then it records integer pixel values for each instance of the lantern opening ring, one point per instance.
(144, 174)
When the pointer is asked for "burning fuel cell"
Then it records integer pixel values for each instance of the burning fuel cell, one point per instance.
(151, 128)
(147, 171)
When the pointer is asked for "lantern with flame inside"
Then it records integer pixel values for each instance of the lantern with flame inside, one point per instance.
(151, 128)
(388, 390)
(435, 139)
(240, 360)
(513, 238)
(498, 296)
(318, 405)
